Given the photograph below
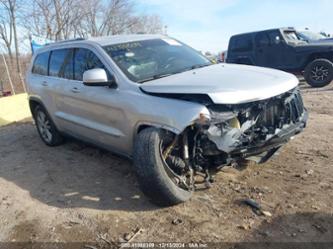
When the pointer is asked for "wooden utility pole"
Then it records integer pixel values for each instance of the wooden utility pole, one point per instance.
(13, 7)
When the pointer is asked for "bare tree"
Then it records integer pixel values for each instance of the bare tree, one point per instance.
(64, 19)
(40, 18)
(11, 8)
(89, 24)
(54, 19)
(6, 32)
(147, 24)
(67, 13)
(118, 17)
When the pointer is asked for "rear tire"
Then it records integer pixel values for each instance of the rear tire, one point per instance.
(46, 128)
(319, 73)
(154, 181)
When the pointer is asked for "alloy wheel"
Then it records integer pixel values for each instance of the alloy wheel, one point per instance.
(319, 73)
(44, 126)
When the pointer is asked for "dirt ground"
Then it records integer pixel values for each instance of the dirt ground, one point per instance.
(76, 192)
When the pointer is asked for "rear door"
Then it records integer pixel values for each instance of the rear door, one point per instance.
(60, 72)
(263, 55)
(38, 82)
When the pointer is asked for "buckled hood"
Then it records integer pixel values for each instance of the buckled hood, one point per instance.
(226, 83)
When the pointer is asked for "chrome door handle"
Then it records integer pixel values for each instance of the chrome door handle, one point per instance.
(44, 83)
(75, 90)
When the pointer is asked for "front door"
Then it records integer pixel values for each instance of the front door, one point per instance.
(272, 51)
(93, 113)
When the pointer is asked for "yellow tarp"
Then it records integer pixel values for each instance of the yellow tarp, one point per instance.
(14, 108)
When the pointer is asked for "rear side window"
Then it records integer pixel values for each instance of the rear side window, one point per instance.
(242, 44)
(61, 63)
(84, 60)
(262, 40)
(41, 63)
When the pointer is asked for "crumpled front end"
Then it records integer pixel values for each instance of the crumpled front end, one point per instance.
(230, 135)
(252, 131)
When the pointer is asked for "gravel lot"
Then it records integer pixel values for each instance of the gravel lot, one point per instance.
(76, 192)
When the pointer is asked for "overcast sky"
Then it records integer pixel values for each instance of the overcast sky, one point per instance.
(208, 24)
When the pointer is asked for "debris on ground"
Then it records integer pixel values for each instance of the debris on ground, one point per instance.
(90, 247)
(177, 221)
(266, 213)
(244, 227)
(320, 228)
(103, 238)
(129, 237)
(252, 203)
(256, 207)
(309, 172)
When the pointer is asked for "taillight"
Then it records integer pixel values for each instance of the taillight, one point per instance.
(222, 57)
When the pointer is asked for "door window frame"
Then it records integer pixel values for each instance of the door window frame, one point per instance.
(109, 66)
(47, 66)
(50, 55)
(108, 72)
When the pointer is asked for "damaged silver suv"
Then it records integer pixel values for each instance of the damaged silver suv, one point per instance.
(161, 103)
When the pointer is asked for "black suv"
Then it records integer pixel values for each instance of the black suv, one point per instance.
(284, 49)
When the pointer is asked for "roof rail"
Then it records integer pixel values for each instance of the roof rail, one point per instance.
(64, 41)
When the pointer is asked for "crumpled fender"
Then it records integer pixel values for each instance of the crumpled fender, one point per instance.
(172, 114)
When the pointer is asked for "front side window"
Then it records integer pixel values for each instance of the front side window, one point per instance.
(61, 63)
(274, 37)
(151, 59)
(84, 60)
(41, 63)
(291, 35)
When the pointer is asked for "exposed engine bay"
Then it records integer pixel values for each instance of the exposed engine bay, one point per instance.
(236, 133)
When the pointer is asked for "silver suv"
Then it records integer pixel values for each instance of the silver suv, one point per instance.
(156, 100)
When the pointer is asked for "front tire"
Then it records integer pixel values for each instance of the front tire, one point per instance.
(153, 178)
(319, 73)
(46, 128)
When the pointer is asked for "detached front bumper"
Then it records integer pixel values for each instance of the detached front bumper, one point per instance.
(262, 152)
(259, 129)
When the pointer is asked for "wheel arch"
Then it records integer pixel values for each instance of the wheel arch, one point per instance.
(33, 103)
(315, 56)
(144, 125)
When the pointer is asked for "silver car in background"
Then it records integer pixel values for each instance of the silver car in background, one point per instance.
(163, 104)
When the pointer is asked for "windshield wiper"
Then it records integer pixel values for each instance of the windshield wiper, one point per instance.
(200, 66)
(155, 77)
(158, 76)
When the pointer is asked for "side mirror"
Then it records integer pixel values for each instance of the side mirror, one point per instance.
(97, 77)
